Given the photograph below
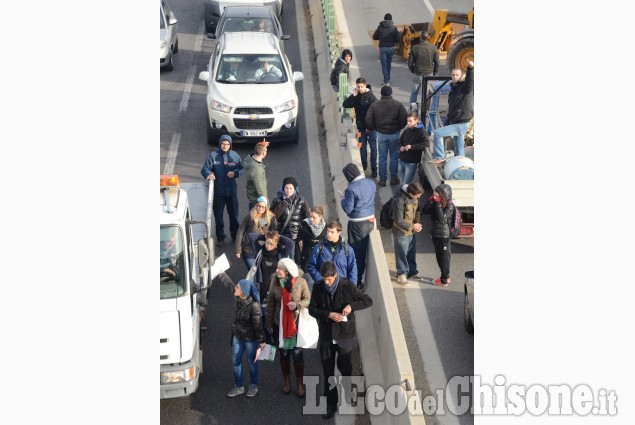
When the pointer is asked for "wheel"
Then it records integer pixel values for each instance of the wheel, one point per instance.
(459, 53)
(175, 49)
(170, 65)
(469, 325)
(296, 135)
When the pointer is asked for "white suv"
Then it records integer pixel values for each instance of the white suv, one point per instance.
(251, 89)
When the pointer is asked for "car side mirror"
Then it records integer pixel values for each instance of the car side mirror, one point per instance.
(204, 75)
(297, 76)
(285, 37)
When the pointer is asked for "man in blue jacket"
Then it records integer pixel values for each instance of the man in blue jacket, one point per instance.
(358, 202)
(223, 166)
(333, 248)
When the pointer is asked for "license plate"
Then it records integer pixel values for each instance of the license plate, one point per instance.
(253, 133)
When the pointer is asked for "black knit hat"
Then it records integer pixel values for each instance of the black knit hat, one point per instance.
(386, 91)
(290, 180)
(351, 171)
(387, 17)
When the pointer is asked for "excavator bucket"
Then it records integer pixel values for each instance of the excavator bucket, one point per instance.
(410, 35)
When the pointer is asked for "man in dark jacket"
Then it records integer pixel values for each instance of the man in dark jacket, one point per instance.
(460, 112)
(333, 303)
(388, 37)
(340, 66)
(387, 116)
(423, 61)
(224, 166)
(360, 100)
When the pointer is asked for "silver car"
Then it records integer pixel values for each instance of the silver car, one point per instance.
(169, 43)
(468, 310)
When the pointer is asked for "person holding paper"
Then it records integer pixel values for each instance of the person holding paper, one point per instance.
(247, 335)
(288, 294)
(333, 303)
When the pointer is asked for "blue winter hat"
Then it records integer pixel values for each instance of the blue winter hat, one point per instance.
(262, 199)
(224, 137)
(248, 288)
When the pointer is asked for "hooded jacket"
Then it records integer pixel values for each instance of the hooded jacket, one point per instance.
(281, 207)
(461, 99)
(339, 67)
(360, 103)
(405, 213)
(221, 163)
(440, 216)
(359, 197)
(387, 116)
(256, 184)
(247, 320)
(418, 139)
(387, 34)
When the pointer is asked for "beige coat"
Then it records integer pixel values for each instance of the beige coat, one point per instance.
(300, 294)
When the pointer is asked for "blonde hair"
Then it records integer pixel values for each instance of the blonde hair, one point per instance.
(255, 215)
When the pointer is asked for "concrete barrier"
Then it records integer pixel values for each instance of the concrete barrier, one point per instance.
(382, 344)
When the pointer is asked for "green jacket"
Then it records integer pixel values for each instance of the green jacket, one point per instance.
(406, 213)
(256, 179)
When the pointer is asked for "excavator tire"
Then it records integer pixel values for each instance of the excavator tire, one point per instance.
(459, 53)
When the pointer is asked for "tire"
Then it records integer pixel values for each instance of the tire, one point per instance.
(296, 137)
(469, 325)
(459, 53)
(170, 65)
(175, 49)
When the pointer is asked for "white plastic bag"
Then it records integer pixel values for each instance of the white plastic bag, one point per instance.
(308, 330)
(251, 274)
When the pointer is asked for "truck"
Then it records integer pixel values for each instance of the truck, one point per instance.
(450, 31)
(186, 272)
(456, 171)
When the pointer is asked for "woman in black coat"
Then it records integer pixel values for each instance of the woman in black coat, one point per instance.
(441, 209)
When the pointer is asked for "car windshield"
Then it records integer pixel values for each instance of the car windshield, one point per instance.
(251, 69)
(172, 265)
(248, 24)
(162, 20)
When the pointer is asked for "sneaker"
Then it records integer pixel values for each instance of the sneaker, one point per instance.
(409, 275)
(253, 390)
(401, 279)
(438, 282)
(437, 161)
(374, 173)
(448, 280)
(236, 391)
(382, 182)
(394, 180)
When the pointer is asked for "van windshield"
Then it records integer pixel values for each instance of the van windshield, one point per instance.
(172, 266)
(251, 69)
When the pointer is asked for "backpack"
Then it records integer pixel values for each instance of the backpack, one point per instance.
(385, 215)
(455, 222)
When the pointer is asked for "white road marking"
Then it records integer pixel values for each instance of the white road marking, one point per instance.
(171, 159)
(185, 99)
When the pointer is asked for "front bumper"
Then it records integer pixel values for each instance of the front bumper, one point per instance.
(280, 127)
(179, 389)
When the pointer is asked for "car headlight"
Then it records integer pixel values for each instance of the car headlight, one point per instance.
(177, 376)
(286, 106)
(163, 44)
(220, 106)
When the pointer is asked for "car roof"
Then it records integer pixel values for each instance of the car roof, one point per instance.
(248, 10)
(250, 42)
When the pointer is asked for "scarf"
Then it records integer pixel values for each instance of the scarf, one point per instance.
(316, 228)
(331, 289)
(289, 329)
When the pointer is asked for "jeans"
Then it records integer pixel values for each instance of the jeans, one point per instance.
(388, 143)
(416, 83)
(368, 139)
(385, 57)
(238, 347)
(249, 262)
(443, 254)
(407, 171)
(358, 238)
(405, 254)
(457, 131)
(231, 202)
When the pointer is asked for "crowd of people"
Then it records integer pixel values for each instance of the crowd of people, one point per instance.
(296, 259)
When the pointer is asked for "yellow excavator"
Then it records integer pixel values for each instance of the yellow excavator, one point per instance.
(451, 32)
